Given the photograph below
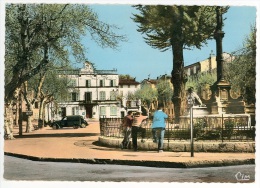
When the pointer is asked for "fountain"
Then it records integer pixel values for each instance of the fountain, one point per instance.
(221, 102)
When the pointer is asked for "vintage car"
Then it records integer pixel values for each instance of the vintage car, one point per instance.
(74, 121)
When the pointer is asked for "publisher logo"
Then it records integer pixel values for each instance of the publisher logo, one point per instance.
(242, 177)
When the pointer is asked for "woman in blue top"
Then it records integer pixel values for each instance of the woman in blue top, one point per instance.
(158, 127)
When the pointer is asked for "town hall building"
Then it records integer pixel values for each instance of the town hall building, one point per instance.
(97, 93)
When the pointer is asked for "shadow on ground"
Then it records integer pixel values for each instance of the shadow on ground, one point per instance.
(57, 135)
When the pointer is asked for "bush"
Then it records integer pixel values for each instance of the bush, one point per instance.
(229, 128)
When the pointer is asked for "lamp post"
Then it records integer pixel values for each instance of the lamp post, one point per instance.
(190, 104)
(191, 133)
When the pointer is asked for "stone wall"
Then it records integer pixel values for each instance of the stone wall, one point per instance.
(184, 146)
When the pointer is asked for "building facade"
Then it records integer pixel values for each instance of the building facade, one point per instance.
(94, 94)
(207, 65)
(127, 88)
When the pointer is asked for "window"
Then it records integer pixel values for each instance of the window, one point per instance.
(101, 83)
(194, 70)
(113, 110)
(36, 105)
(72, 83)
(112, 95)
(133, 103)
(88, 83)
(75, 111)
(128, 103)
(62, 112)
(102, 95)
(112, 83)
(88, 96)
(102, 111)
(188, 71)
(74, 96)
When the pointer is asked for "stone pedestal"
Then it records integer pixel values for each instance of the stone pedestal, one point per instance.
(198, 111)
(221, 100)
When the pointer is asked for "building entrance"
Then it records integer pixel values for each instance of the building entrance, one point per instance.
(89, 111)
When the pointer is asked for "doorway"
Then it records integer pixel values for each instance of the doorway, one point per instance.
(89, 111)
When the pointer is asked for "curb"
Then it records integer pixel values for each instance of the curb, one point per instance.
(161, 164)
(184, 146)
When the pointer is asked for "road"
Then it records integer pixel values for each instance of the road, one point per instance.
(22, 169)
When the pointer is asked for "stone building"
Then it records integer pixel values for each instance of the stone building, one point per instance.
(95, 93)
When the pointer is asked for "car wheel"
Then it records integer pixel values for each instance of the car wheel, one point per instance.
(83, 125)
(55, 126)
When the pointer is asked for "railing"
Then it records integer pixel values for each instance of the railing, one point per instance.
(205, 128)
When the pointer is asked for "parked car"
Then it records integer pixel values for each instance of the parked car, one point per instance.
(75, 121)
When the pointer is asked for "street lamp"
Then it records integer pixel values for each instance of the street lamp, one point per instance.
(190, 104)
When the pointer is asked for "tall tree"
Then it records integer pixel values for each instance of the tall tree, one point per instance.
(241, 73)
(177, 28)
(37, 34)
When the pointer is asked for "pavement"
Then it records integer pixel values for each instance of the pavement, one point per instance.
(82, 146)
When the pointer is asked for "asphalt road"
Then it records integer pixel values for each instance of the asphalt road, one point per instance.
(22, 169)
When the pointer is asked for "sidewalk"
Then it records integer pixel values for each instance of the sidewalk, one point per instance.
(81, 145)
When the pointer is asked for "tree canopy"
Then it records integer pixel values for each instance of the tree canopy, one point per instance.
(241, 73)
(164, 25)
(147, 94)
(177, 28)
(165, 91)
(43, 35)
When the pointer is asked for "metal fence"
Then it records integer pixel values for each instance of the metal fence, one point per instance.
(205, 128)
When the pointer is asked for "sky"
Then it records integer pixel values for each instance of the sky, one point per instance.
(135, 55)
(139, 60)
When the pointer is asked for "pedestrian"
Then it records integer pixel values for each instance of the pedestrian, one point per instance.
(127, 129)
(158, 127)
(139, 119)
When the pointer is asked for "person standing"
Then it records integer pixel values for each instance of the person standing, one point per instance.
(127, 128)
(158, 127)
(137, 127)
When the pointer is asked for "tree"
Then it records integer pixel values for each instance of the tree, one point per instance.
(37, 34)
(241, 73)
(51, 32)
(147, 95)
(126, 76)
(165, 91)
(201, 80)
(177, 28)
(47, 87)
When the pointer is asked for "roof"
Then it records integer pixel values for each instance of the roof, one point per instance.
(128, 82)
(151, 81)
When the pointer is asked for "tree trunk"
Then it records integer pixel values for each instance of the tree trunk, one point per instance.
(8, 123)
(41, 113)
(20, 112)
(179, 79)
(17, 114)
(29, 126)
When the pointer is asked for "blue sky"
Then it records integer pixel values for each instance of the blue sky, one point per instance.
(139, 60)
